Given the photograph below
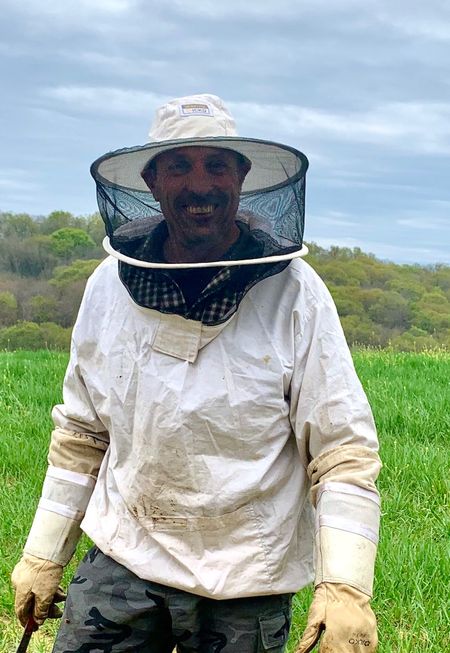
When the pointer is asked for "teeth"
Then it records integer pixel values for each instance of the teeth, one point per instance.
(200, 209)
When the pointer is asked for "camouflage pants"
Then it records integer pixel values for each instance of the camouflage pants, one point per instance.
(109, 609)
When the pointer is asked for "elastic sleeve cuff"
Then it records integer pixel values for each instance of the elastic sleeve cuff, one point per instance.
(77, 452)
(350, 464)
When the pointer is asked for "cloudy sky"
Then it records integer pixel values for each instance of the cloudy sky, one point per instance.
(361, 86)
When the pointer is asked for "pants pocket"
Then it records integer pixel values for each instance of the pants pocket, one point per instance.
(274, 632)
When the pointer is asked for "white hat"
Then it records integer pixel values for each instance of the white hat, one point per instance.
(201, 120)
(193, 116)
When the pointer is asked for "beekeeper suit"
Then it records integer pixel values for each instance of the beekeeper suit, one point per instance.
(214, 439)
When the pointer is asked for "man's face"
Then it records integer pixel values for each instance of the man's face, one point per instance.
(198, 190)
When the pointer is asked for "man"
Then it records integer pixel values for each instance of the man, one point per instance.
(210, 402)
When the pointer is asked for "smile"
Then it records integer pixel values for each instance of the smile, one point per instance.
(200, 210)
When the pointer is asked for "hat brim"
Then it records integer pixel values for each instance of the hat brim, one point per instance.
(273, 165)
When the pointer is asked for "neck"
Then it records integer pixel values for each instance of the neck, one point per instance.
(200, 251)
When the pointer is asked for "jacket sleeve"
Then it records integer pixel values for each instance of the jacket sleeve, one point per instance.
(77, 447)
(338, 445)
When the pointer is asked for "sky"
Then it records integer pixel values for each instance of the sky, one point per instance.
(361, 87)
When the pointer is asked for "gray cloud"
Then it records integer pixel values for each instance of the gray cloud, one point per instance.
(362, 88)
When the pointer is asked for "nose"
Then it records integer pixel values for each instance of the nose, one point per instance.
(199, 180)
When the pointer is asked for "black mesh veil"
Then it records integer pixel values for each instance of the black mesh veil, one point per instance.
(272, 202)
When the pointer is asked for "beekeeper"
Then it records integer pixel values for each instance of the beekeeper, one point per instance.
(213, 431)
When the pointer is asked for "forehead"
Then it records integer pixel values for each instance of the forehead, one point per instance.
(196, 154)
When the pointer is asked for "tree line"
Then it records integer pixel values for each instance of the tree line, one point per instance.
(45, 262)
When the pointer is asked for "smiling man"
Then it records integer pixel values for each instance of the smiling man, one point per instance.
(213, 430)
(198, 189)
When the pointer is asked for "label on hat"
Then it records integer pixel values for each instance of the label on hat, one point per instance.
(196, 110)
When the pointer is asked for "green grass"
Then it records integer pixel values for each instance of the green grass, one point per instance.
(409, 395)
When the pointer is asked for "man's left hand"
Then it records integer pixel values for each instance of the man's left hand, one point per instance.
(341, 617)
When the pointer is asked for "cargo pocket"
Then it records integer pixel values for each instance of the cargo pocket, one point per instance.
(274, 632)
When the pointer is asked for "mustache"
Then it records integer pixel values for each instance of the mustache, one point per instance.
(201, 199)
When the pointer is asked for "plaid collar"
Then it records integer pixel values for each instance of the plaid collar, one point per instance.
(211, 295)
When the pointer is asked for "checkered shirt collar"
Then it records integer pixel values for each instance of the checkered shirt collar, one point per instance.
(217, 301)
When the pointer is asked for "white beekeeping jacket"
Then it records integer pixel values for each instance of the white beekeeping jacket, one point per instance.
(204, 485)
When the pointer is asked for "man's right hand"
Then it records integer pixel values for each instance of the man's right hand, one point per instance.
(36, 584)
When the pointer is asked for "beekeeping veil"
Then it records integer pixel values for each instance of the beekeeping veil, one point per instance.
(272, 198)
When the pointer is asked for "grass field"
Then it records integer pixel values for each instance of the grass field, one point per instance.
(409, 394)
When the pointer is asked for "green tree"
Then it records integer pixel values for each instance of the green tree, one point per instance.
(348, 300)
(8, 308)
(59, 220)
(56, 336)
(69, 243)
(409, 289)
(441, 277)
(361, 331)
(414, 339)
(25, 335)
(78, 270)
(378, 273)
(391, 310)
(347, 272)
(28, 335)
(27, 258)
(95, 227)
(43, 308)
(18, 225)
(432, 311)
(69, 282)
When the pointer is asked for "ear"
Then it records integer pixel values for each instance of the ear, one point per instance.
(149, 176)
(244, 168)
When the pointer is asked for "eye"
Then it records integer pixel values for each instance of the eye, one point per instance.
(178, 167)
(217, 167)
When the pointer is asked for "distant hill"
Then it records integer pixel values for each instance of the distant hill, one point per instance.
(45, 262)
